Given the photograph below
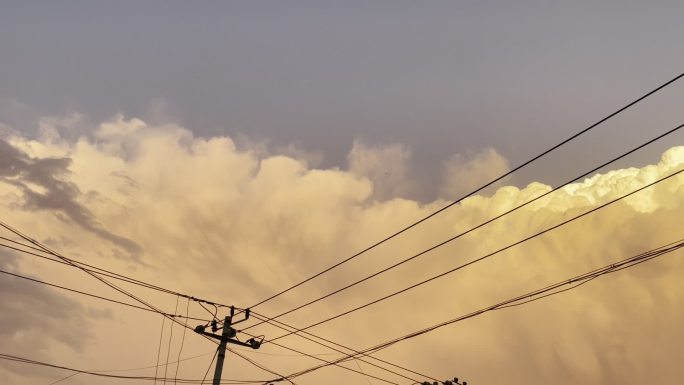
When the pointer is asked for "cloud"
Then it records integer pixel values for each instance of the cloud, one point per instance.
(44, 187)
(387, 167)
(34, 319)
(239, 223)
(463, 173)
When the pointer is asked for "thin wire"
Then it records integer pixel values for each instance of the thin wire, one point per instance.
(161, 334)
(361, 369)
(515, 169)
(92, 274)
(335, 362)
(461, 234)
(251, 351)
(165, 315)
(348, 348)
(470, 230)
(129, 369)
(111, 285)
(283, 326)
(64, 378)
(21, 244)
(180, 350)
(130, 295)
(213, 314)
(199, 319)
(91, 295)
(552, 293)
(91, 268)
(144, 284)
(260, 366)
(209, 368)
(583, 277)
(99, 278)
(9, 357)
(168, 349)
(483, 257)
(266, 319)
(70, 262)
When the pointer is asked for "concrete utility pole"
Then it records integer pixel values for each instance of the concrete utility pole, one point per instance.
(225, 338)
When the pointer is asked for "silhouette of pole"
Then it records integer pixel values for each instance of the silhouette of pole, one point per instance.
(222, 350)
(225, 338)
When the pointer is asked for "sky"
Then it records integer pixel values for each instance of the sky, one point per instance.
(229, 150)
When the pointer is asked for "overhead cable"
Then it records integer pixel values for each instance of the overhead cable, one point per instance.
(514, 244)
(470, 230)
(94, 295)
(544, 292)
(492, 182)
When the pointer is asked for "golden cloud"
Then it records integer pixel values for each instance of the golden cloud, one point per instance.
(237, 224)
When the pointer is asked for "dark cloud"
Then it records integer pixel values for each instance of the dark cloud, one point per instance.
(34, 317)
(57, 194)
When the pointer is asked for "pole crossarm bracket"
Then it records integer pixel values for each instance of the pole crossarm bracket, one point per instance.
(227, 336)
(229, 332)
(250, 343)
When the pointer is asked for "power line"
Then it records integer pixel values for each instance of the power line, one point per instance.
(336, 362)
(361, 369)
(9, 357)
(93, 295)
(284, 354)
(114, 275)
(267, 319)
(91, 268)
(260, 366)
(92, 274)
(470, 230)
(623, 155)
(180, 350)
(513, 170)
(123, 303)
(168, 349)
(151, 307)
(184, 325)
(306, 335)
(550, 289)
(482, 257)
(523, 299)
(130, 369)
(161, 334)
(209, 367)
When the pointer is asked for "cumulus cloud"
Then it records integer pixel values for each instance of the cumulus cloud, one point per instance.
(238, 224)
(44, 186)
(464, 173)
(387, 167)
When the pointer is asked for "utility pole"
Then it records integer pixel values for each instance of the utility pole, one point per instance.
(225, 338)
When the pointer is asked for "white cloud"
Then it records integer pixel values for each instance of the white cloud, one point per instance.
(463, 173)
(238, 224)
(387, 167)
